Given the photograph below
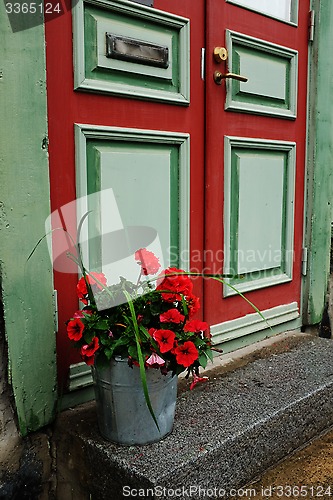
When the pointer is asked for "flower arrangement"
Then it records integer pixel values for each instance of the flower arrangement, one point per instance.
(150, 323)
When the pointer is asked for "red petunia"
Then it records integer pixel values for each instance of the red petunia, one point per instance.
(81, 313)
(174, 284)
(148, 261)
(88, 350)
(75, 329)
(186, 354)
(197, 380)
(81, 288)
(165, 339)
(172, 316)
(193, 304)
(195, 326)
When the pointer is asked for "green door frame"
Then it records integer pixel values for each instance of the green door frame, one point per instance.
(26, 288)
(317, 237)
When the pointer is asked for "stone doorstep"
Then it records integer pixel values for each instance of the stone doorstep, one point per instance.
(226, 432)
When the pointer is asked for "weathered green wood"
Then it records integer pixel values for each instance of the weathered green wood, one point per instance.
(24, 193)
(320, 154)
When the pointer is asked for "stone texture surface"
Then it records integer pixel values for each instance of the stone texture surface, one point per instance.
(226, 432)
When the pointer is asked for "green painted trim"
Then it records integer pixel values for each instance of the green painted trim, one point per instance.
(129, 79)
(239, 342)
(238, 100)
(27, 286)
(319, 168)
(260, 279)
(252, 323)
(179, 145)
(80, 376)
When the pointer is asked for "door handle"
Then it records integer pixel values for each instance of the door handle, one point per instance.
(218, 77)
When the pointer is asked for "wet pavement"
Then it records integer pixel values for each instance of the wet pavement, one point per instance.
(307, 473)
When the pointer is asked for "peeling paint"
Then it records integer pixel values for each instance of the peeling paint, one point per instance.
(24, 206)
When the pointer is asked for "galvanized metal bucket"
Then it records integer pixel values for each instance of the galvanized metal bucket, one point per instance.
(123, 415)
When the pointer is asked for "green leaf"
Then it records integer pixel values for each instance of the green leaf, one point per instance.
(108, 353)
(198, 342)
(203, 360)
(102, 324)
(148, 337)
(184, 306)
(155, 308)
(209, 355)
(133, 352)
(117, 343)
(88, 336)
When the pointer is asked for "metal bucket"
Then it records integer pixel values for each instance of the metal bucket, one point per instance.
(123, 415)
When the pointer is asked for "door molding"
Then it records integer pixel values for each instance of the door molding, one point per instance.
(249, 56)
(260, 268)
(252, 323)
(95, 72)
(84, 132)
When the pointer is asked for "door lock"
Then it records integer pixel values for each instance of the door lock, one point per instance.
(218, 77)
(220, 54)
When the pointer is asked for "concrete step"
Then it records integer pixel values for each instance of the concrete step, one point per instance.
(226, 432)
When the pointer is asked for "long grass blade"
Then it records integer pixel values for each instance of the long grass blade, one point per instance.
(141, 360)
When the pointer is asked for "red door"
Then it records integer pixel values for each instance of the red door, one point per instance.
(255, 161)
(113, 123)
(245, 147)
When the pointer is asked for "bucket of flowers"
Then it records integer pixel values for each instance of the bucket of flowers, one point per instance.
(138, 337)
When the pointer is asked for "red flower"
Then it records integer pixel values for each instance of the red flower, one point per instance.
(197, 380)
(81, 312)
(148, 261)
(178, 285)
(75, 329)
(172, 316)
(193, 304)
(81, 288)
(195, 326)
(88, 350)
(152, 331)
(186, 354)
(165, 339)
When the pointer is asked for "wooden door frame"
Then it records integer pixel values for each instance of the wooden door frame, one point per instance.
(26, 287)
(318, 208)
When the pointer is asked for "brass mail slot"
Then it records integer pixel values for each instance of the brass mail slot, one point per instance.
(136, 51)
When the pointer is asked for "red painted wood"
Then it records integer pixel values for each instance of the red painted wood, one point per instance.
(222, 16)
(66, 107)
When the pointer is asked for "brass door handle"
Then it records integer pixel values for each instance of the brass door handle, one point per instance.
(218, 77)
